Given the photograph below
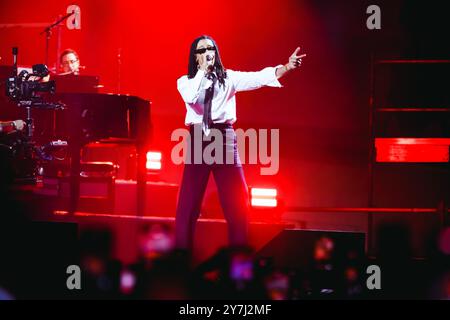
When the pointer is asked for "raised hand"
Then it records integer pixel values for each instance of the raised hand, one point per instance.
(295, 60)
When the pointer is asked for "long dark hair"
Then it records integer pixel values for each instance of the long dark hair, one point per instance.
(218, 67)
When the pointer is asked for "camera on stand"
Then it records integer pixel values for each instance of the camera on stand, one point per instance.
(28, 90)
(25, 85)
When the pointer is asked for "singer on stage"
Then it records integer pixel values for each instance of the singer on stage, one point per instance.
(208, 91)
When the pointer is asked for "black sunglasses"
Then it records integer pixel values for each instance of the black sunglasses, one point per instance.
(203, 50)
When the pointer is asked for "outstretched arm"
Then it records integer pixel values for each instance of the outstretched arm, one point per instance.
(294, 62)
(244, 81)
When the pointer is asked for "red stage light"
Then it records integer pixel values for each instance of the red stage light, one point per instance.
(263, 197)
(153, 160)
(412, 149)
(60, 213)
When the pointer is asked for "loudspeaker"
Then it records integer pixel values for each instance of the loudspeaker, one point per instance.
(296, 248)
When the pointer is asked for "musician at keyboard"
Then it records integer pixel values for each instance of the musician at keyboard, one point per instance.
(70, 62)
(69, 79)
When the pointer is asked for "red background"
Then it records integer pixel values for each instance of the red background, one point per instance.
(322, 111)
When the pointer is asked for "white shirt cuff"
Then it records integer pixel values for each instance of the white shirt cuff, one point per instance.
(275, 82)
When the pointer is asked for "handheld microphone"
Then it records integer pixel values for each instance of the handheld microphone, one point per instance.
(209, 60)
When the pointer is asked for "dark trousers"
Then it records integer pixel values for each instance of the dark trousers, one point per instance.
(233, 195)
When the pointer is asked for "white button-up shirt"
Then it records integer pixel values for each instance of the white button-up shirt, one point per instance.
(223, 107)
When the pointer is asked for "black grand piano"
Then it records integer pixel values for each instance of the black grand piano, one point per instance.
(89, 116)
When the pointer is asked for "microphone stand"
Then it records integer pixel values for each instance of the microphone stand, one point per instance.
(119, 71)
(48, 33)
